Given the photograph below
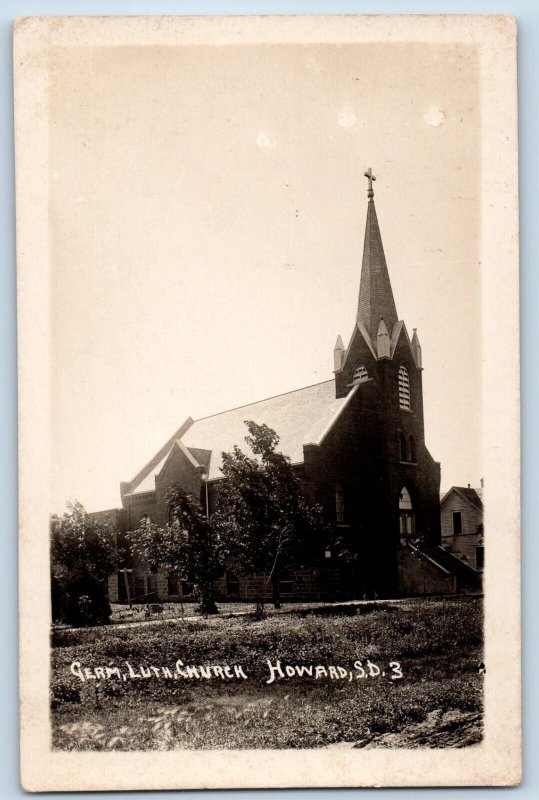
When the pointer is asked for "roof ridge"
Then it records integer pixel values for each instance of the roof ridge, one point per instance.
(463, 491)
(272, 397)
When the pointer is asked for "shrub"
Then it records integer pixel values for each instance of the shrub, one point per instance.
(81, 600)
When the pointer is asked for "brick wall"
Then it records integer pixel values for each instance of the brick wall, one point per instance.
(178, 470)
(113, 517)
(137, 506)
(361, 453)
(308, 583)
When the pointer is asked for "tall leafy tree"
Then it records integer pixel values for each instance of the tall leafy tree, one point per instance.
(187, 547)
(83, 554)
(263, 515)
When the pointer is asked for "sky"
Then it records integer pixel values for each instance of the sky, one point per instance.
(207, 214)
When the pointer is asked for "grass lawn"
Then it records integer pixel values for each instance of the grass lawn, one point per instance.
(437, 644)
(122, 614)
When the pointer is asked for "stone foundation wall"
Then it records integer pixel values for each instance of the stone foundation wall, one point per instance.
(307, 584)
(419, 576)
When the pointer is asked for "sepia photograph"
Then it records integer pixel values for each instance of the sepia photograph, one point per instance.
(265, 460)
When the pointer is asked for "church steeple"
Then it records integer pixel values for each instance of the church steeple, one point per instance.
(375, 295)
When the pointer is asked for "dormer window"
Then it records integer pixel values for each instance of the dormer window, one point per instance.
(359, 374)
(404, 387)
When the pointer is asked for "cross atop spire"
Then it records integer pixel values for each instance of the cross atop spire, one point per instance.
(368, 174)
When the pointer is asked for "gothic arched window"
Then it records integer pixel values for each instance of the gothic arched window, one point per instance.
(404, 387)
(403, 455)
(413, 453)
(360, 374)
(406, 517)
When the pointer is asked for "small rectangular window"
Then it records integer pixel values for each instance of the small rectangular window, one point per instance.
(122, 588)
(139, 586)
(479, 557)
(232, 583)
(286, 583)
(457, 523)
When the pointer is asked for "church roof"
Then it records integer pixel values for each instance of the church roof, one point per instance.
(375, 293)
(299, 417)
(303, 416)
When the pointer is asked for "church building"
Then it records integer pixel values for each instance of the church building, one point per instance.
(356, 441)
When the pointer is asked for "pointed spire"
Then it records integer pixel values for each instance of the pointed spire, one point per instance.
(375, 295)
(338, 354)
(416, 348)
(382, 340)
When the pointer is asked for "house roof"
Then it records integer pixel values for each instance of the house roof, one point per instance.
(468, 493)
(303, 416)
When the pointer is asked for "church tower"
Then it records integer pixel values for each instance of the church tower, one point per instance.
(382, 366)
(377, 329)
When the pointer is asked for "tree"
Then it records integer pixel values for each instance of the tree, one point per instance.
(187, 547)
(83, 554)
(161, 547)
(262, 514)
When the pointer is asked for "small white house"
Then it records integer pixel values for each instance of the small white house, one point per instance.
(461, 510)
